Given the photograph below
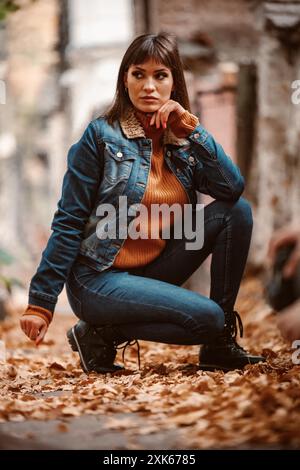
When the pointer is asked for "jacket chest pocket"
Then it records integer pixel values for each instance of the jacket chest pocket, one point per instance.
(118, 163)
(185, 167)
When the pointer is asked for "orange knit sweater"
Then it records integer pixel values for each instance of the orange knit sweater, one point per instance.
(162, 187)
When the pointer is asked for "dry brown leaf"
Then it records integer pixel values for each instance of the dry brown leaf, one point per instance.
(120, 424)
(62, 427)
(56, 366)
(187, 419)
(71, 411)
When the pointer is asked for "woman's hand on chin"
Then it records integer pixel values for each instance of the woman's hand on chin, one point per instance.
(161, 116)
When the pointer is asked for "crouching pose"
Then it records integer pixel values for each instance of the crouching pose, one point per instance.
(150, 149)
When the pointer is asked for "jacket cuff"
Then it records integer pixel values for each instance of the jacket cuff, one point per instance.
(41, 302)
(184, 124)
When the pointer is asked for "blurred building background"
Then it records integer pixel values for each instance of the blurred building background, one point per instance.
(59, 61)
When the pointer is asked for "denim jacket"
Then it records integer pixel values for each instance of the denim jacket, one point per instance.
(110, 161)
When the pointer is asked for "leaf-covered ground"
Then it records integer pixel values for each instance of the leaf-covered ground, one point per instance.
(256, 407)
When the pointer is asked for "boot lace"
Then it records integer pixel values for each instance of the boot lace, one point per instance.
(130, 343)
(109, 332)
(233, 325)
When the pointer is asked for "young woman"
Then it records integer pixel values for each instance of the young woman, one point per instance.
(148, 149)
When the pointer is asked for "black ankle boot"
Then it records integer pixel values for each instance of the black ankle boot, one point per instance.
(97, 347)
(225, 353)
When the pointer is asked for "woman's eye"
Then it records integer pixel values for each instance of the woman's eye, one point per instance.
(161, 76)
(137, 74)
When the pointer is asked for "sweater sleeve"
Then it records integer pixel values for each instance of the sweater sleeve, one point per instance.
(39, 312)
(183, 125)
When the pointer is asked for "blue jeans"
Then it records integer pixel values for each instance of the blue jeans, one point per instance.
(148, 303)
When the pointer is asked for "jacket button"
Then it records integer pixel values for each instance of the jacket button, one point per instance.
(191, 159)
(178, 170)
(196, 135)
(169, 153)
(120, 154)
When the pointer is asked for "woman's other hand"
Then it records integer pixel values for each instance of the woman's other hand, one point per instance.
(34, 327)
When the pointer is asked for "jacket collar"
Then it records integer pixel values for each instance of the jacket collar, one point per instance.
(133, 129)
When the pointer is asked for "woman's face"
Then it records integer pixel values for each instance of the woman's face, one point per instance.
(149, 85)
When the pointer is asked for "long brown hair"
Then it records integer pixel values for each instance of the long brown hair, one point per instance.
(162, 48)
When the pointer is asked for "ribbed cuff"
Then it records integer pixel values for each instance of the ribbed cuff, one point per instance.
(39, 302)
(39, 312)
(183, 125)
